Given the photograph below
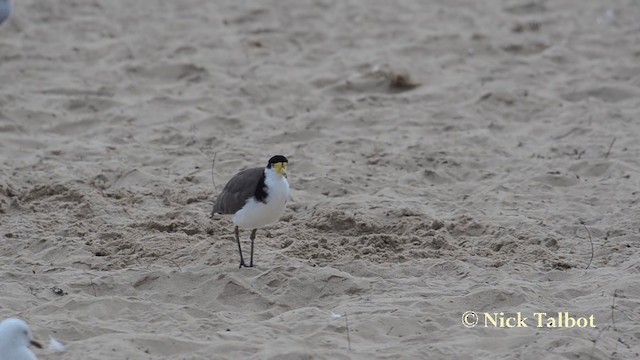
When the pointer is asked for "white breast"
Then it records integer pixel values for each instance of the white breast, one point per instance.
(256, 214)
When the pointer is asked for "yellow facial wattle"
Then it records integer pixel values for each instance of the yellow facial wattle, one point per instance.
(281, 168)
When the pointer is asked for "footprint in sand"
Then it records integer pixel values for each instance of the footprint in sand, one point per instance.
(607, 94)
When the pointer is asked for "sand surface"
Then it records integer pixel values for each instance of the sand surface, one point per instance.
(477, 190)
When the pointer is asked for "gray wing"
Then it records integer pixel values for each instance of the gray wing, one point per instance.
(241, 187)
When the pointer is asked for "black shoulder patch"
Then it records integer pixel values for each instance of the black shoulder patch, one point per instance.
(261, 190)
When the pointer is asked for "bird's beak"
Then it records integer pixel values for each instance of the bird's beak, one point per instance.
(36, 344)
(281, 168)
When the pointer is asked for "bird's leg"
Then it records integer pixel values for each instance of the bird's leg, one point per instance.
(239, 248)
(252, 237)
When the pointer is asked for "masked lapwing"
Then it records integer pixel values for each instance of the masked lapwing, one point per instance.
(255, 197)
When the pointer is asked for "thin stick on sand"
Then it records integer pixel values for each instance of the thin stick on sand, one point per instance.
(346, 320)
(610, 146)
(593, 349)
(590, 241)
(213, 165)
(613, 305)
(613, 321)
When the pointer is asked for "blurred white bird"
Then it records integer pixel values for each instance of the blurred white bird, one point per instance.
(55, 345)
(5, 10)
(15, 339)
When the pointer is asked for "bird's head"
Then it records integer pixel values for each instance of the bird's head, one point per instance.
(17, 331)
(279, 163)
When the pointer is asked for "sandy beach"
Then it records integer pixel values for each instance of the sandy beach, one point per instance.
(445, 157)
